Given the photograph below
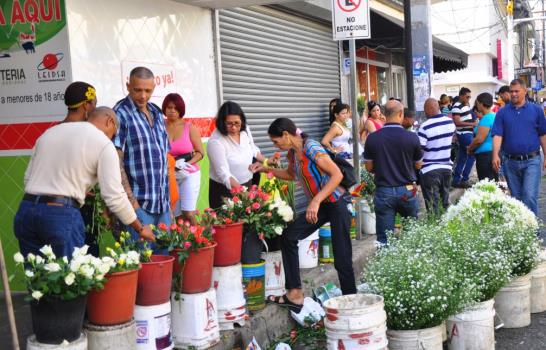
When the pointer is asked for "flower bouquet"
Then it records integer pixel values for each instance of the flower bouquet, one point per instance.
(366, 188)
(115, 303)
(193, 249)
(58, 291)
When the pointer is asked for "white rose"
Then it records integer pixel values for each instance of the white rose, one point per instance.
(80, 251)
(39, 259)
(31, 257)
(99, 277)
(37, 294)
(19, 258)
(48, 252)
(69, 279)
(52, 267)
(109, 261)
(75, 265)
(278, 230)
(104, 268)
(133, 256)
(29, 273)
(65, 259)
(87, 271)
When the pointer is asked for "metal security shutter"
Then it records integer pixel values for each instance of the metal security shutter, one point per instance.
(276, 64)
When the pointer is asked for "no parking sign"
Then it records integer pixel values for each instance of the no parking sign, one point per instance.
(351, 19)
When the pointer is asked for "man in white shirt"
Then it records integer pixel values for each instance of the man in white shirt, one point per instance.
(67, 160)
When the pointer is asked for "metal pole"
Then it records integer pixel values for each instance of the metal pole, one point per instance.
(356, 128)
(408, 53)
(9, 303)
(510, 44)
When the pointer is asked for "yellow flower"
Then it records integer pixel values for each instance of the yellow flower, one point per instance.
(117, 245)
(121, 262)
(90, 94)
(148, 253)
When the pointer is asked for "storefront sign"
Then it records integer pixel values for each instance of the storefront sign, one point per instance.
(351, 19)
(164, 74)
(34, 60)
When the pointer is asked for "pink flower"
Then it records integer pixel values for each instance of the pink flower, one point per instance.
(255, 206)
(235, 199)
(193, 229)
(254, 187)
(187, 245)
(248, 210)
(173, 226)
(270, 175)
(252, 195)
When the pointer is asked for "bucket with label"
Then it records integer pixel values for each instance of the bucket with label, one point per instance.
(513, 302)
(153, 327)
(356, 321)
(228, 283)
(254, 282)
(194, 319)
(274, 273)
(473, 328)
(326, 252)
(308, 251)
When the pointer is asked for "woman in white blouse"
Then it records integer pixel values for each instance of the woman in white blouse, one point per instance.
(231, 150)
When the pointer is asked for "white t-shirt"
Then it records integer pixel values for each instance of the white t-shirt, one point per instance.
(231, 159)
(69, 159)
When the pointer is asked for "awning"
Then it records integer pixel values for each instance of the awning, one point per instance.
(388, 32)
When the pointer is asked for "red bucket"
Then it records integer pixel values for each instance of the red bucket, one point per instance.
(196, 273)
(154, 280)
(229, 239)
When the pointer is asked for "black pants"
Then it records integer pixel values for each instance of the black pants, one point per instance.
(435, 186)
(484, 166)
(340, 221)
(218, 191)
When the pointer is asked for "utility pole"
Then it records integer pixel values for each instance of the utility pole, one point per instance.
(408, 55)
(510, 38)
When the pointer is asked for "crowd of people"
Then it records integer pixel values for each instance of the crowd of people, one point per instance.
(146, 162)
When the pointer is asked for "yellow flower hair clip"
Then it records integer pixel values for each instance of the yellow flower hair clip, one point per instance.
(91, 94)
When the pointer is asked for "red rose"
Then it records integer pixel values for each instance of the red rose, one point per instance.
(248, 210)
(235, 199)
(173, 226)
(276, 155)
(255, 206)
(162, 226)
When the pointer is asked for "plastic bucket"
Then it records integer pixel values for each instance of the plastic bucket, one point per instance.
(513, 302)
(153, 327)
(114, 304)
(229, 239)
(473, 328)
(326, 252)
(367, 218)
(119, 337)
(155, 280)
(228, 284)
(308, 251)
(421, 339)
(194, 319)
(538, 288)
(274, 273)
(254, 282)
(356, 321)
(196, 274)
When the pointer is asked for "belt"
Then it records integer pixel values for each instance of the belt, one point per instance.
(51, 199)
(522, 156)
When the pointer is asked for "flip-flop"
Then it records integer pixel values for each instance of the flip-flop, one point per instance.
(274, 299)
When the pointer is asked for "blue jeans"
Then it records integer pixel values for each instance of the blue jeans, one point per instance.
(464, 161)
(60, 226)
(391, 200)
(147, 218)
(523, 177)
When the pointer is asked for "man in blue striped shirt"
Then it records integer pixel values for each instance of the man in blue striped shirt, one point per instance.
(435, 136)
(142, 145)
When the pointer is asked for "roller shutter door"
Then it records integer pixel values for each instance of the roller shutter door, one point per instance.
(276, 64)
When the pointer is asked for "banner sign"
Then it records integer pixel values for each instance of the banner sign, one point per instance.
(164, 74)
(351, 19)
(34, 60)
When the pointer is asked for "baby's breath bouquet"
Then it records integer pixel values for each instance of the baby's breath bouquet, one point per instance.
(60, 278)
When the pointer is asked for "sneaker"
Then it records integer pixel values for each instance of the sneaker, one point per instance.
(465, 184)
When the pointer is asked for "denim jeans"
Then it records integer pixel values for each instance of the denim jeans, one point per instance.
(464, 160)
(60, 226)
(388, 202)
(147, 218)
(340, 221)
(523, 177)
(435, 186)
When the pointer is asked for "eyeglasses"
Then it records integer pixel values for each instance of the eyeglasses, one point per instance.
(233, 124)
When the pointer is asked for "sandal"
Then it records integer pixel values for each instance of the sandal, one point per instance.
(284, 302)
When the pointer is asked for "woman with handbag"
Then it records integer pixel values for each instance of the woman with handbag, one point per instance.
(187, 149)
(320, 178)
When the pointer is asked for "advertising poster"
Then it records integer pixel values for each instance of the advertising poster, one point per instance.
(421, 81)
(34, 60)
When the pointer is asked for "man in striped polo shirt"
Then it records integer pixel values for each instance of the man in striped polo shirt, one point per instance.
(465, 123)
(435, 136)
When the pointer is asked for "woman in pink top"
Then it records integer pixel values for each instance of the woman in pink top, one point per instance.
(187, 149)
(374, 122)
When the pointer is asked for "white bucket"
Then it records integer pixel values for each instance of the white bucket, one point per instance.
(421, 339)
(473, 329)
(538, 288)
(308, 251)
(194, 320)
(118, 337)
(274, 273)
(513, 302)
(153, 327)
(78, 344)
(356, 321)
(228, 283)
(367, 218)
